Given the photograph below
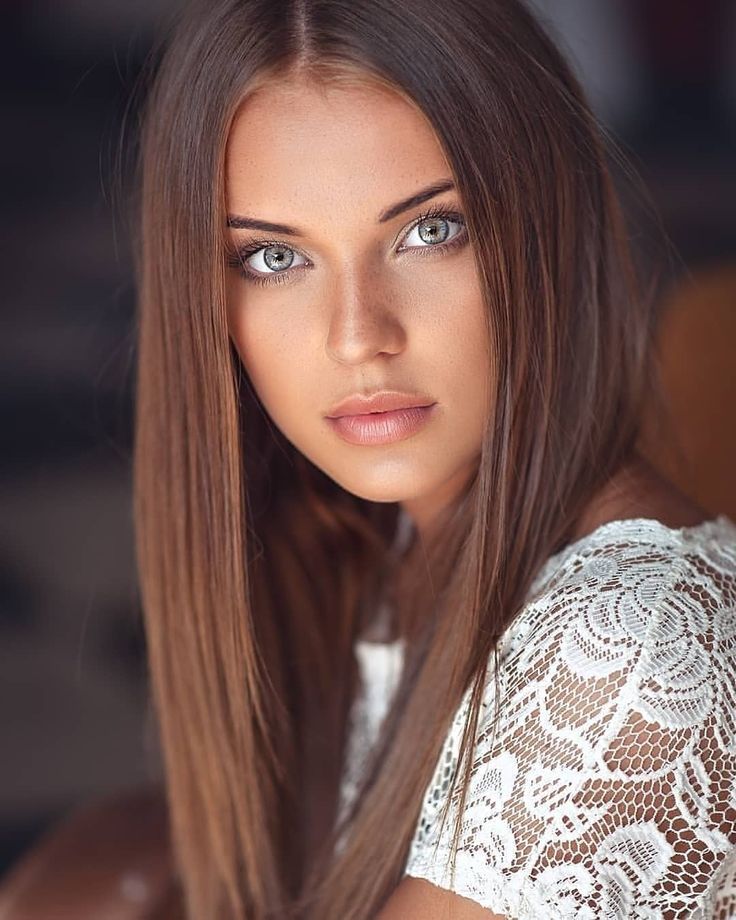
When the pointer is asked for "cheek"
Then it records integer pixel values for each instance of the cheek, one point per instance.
(254, 342)
(272, 357)
(462, 326)
(451, 303)
(468, 361)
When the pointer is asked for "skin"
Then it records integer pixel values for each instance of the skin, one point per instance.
(364, 316)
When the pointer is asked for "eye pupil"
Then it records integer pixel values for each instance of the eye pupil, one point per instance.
(431, 235)
(274, 257)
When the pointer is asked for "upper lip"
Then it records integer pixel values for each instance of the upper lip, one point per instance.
(383, 401)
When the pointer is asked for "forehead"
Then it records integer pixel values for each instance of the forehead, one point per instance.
(295, 144)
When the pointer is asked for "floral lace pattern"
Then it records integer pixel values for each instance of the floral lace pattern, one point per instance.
(609, 788)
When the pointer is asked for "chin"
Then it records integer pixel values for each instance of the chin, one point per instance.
(400, 488)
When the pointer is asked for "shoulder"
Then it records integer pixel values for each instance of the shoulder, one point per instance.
(110, 856)
(637, 618)
(634, 547)
(629, 585)
(624, 609)
(615, 739)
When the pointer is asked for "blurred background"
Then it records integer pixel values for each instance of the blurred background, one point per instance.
(74, 718)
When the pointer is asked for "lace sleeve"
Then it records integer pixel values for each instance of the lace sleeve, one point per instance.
(609, 790)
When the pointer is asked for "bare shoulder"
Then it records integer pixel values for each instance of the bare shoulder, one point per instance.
(108, 858)
(638, 489)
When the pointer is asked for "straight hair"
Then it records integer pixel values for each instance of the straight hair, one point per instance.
(257, 571)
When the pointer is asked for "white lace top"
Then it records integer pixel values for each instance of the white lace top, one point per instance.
(610, 788)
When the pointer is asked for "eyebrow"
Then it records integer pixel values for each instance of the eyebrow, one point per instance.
(241, 222)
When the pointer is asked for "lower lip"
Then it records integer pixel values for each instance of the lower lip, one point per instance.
(381, 427)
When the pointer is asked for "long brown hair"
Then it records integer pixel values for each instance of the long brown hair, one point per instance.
(257, 571)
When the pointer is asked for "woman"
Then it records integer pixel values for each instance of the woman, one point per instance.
(427, 635)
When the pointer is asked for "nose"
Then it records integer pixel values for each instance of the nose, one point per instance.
(363, 321)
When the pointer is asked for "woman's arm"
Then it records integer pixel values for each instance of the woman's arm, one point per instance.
(108, 859)
(418, 899)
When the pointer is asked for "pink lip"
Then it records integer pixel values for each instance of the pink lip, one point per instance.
(383, 401)
(381, 427)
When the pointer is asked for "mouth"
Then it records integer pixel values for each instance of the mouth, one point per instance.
(385, 427)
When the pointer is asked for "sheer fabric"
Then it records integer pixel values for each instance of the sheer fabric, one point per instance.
(609, 788)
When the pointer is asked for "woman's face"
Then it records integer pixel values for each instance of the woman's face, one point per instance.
(352, 300)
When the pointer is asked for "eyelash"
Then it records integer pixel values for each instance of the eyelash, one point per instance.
(435, 212)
